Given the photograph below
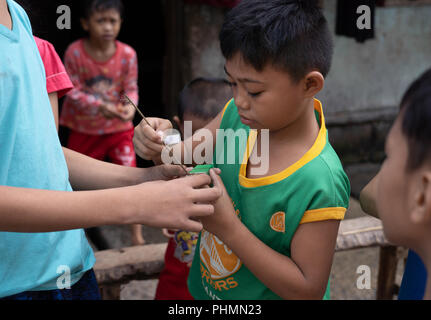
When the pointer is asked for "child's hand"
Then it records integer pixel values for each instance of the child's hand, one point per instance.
(174, 204)
(164, 172)
(110, 110)
(224, 218)
(168, 233)
(127, 112)
(148, 141)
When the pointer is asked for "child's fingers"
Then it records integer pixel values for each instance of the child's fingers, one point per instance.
(202, 210)
(149, 133)
(170, 171)
(206, 195)
(216, 180)
(198, 180)
(166, 233)
(192, 225)
(142, 150)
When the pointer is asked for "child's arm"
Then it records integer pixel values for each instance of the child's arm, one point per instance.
(367, 197)
(53, 99)
(86, 173)
(130, 85)
(148, 143)
(303, 276)
(184, 201)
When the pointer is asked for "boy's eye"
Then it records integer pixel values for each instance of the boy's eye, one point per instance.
(232, 84)
(255, 94)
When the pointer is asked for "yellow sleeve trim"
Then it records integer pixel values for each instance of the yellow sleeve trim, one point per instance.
(335, 213)
(225, 107)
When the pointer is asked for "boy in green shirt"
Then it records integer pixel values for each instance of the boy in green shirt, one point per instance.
(274, 230)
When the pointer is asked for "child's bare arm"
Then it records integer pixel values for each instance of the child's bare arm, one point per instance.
(148, 144)
(368, 197)
(171, 204)
(86, 173)
(303, 276)
(53, 99)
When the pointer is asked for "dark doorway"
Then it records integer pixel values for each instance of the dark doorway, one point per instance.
(143, 28)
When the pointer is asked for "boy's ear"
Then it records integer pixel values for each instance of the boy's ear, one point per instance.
(421, 211)
(179, 124)
(84, 24)
(177, 121)
(313, 83)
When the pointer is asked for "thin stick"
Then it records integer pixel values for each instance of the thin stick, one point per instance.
(143, 117)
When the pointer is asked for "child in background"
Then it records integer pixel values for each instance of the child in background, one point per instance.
(102, 70)
(57, 81)
(40, 217)
(401, 191)
(274, 229)
(200, 101)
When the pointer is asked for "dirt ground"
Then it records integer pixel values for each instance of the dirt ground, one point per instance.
(343, 278)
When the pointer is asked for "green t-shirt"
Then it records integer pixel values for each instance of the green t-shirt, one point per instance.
(315, 188)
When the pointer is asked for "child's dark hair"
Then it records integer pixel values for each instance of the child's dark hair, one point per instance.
(291, 34)
(416, 120)
(204, 97)
(101, 5)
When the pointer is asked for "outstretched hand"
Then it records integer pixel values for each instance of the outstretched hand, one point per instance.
(176, 204)
(223, 221)
(164, 172)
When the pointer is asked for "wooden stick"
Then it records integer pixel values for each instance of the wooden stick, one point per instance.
(143, 117)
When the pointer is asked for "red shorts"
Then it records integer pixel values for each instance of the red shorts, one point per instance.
(173, 278)
(115, 147)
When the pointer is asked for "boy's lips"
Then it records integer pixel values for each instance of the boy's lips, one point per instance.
(245, 120)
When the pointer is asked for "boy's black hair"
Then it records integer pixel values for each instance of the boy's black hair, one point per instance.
(291, 34)
(204, 97)
(100, 5)
(416, 120)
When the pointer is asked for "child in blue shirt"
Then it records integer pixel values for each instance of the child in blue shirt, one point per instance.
(37, 177)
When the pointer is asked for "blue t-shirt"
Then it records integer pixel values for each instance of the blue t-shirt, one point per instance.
(414, 279)
(31, 157)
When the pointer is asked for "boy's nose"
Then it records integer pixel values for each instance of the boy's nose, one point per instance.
(241, 102)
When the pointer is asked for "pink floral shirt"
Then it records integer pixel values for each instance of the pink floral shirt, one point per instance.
(95, 82)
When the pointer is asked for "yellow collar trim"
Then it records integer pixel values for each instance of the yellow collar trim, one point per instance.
(312, 153)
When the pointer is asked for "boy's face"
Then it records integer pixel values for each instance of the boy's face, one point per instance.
(103, 25)
(397, 191)
(266, 100)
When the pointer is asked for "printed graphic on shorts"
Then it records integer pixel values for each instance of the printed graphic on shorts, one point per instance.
(277, 221)
(220, 261)
(186, 245)
(125, 155)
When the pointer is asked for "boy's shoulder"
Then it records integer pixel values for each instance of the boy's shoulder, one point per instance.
(125, 49)
(325, 175)
(74, 48)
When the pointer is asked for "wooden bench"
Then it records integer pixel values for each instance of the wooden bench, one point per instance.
(116, 267)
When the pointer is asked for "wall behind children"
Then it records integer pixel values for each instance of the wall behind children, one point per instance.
(366, 81)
